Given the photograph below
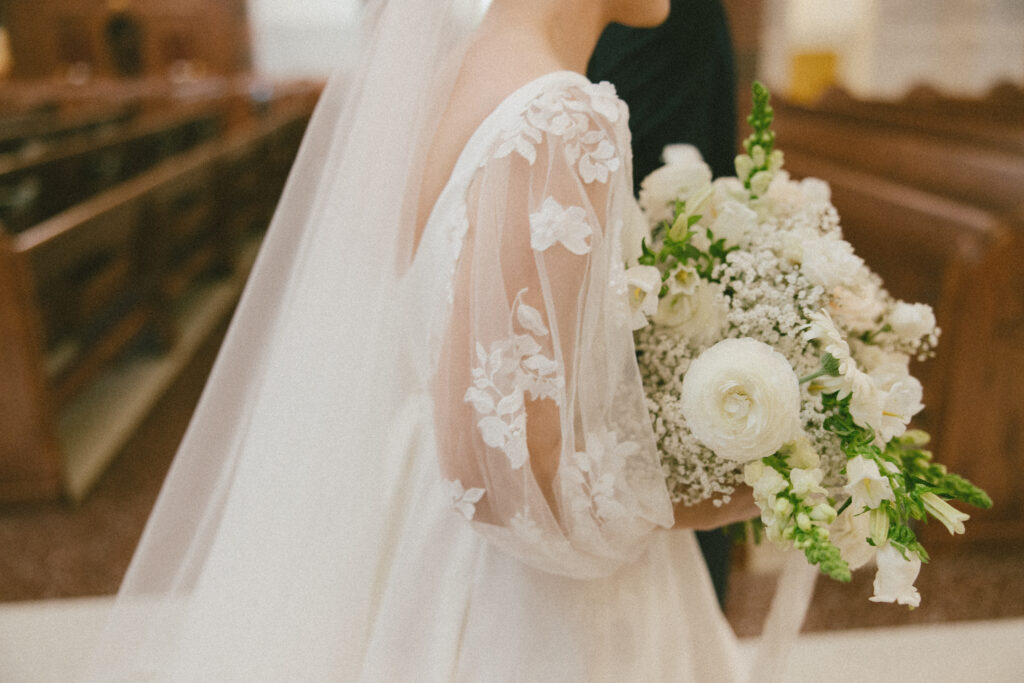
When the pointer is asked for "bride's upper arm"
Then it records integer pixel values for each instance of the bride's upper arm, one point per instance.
(540, 411)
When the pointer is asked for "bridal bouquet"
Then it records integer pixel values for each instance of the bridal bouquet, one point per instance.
(772, 355)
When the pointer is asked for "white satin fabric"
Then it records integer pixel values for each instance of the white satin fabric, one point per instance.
(346, 505)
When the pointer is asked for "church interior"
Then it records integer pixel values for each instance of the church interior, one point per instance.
(143, 145)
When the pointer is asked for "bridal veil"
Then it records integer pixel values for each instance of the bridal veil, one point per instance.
(290, 380)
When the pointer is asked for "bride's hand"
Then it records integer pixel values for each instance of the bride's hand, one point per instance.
(706, 515)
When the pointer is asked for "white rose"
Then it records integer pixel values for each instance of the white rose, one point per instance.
(894, 581)
(912, 321)
(734, 222)
(830, 262)
(699, 316)
(659, 190)
(741, 399)
(850, 533)
(866, 485)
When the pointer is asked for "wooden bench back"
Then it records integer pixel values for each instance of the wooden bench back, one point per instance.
(33, 189)
(987, 176)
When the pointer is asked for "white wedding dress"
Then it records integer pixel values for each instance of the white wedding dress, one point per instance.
(356, 498)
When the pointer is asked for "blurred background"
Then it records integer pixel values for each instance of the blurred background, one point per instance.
(143, 145)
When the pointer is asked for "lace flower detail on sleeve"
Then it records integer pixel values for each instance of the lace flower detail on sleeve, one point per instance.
(511, 369)
(557, 223)
(464, 501)
(576, 120)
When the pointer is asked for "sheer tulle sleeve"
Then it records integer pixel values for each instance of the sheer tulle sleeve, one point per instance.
(543, 435)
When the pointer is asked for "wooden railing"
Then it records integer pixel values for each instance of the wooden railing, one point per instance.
(102, 281)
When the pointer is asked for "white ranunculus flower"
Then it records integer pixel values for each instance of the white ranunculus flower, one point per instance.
(734, 222)
(699, 316)
(866, 485)
(912, 321)
(741, 399)
(830, 262)
(659, 190)
(894, 581)
(644, 283)
(850, 533)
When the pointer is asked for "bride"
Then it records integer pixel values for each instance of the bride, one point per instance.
(423, 453)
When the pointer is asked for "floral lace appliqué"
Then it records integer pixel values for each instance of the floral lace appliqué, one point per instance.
(557, 223)
(463, 500)
(593, 476)
(505, 373)
(586, 144)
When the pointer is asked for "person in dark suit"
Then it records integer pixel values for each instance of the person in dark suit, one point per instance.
(678, 80)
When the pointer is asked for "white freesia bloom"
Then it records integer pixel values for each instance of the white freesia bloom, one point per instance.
(830, 262)
(894, 581)
(912, 321)
(867, 403)
(681, 180)
(734, 222)
(699, 317)
(950, 517)
(741, 399)
(849, 533)
(644, 284)
(902, 400)
(866, 485)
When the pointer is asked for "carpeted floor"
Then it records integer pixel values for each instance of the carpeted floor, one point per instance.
(56, 550)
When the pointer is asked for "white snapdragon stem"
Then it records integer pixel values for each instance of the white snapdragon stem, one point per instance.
(952, 518)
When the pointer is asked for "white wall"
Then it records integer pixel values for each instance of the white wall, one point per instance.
(304, 38)
(888, 46)
(309, 38)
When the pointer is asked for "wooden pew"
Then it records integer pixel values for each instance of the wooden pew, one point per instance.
(82, 291)
(996, 121)
(36, 187)
(987, 176)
